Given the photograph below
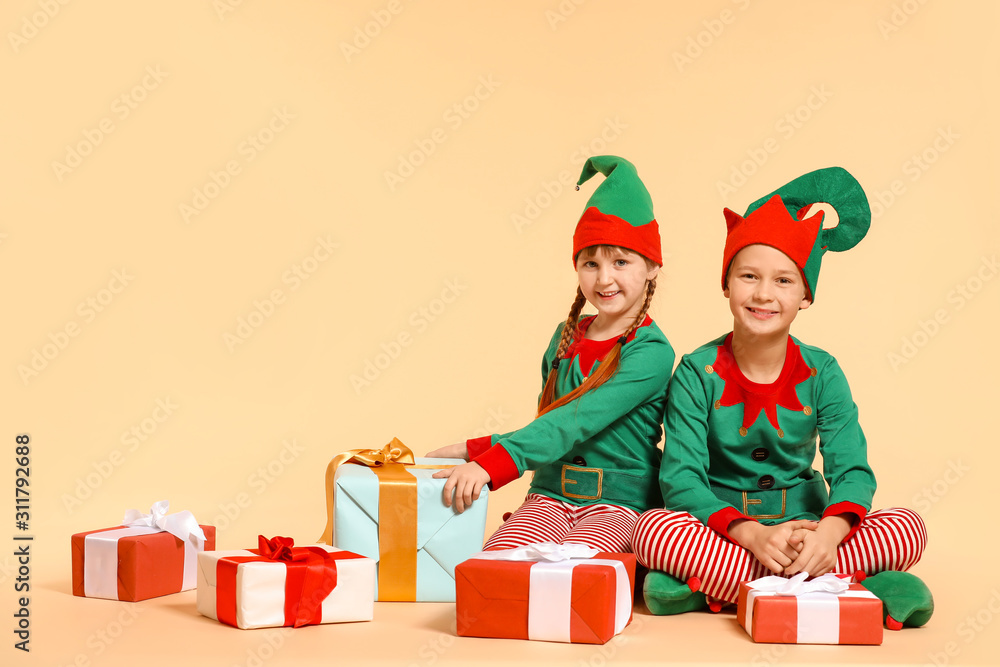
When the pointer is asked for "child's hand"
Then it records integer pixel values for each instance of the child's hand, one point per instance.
(770, 544)
(467, 480)
(818, 548)
(457, 451)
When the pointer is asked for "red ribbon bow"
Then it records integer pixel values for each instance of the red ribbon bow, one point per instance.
(311, 576)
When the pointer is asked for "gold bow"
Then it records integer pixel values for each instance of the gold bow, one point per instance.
(397, 508)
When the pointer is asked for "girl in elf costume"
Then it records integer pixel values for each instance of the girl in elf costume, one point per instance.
(593, 444)
(743, 414)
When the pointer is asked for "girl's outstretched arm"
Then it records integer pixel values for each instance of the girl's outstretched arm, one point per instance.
(459, 450)
(466, 481)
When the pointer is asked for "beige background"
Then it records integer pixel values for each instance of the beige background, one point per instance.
(123, 308)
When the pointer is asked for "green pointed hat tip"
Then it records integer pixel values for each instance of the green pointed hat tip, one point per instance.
(838, 188)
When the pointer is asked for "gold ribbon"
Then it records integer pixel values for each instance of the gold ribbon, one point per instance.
(397, 511)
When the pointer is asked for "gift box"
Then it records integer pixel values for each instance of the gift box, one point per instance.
(149, 555)
(825, 610)
(385, 505)
(279, 584)
(545, 592)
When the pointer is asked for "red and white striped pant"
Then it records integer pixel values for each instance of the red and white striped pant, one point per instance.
(680, 545)
(544, 519)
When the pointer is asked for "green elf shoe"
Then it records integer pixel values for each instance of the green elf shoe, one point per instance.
(666, 595)
(906, 600)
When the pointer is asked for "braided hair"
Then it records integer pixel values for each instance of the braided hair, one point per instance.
(571, 330)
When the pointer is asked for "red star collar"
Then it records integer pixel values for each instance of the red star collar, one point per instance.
(757, 397)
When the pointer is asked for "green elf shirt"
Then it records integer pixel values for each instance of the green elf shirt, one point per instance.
(601, 447)
(736, 449)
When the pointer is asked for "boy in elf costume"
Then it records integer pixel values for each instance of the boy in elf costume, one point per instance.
(743, 414)
(593, 444)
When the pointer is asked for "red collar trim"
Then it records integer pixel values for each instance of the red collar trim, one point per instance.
(757, 397)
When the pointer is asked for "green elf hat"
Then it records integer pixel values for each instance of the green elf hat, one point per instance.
(778, 220)
(620, 212)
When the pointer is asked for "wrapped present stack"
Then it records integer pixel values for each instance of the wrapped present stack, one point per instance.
(546, 592)
(825, 610)
(385, 505)
(149, 555)
(279, 584)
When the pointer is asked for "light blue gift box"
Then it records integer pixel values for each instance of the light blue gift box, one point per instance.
(444, 537)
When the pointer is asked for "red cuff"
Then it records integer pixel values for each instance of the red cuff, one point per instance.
(476, 446)
(853, 509)
(498, 465)
(719, 522)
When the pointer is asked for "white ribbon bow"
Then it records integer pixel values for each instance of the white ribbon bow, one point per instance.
(797, 585)
(182, 524)
(548, 552)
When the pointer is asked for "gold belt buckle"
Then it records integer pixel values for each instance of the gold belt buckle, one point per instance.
(757, 501)
(568, 494)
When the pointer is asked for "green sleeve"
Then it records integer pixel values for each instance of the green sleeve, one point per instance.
(684, 468)
(841, 440)
(646, 363)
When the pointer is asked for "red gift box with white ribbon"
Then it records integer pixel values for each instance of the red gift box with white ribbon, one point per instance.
(825, 610)
(545, 592)
(147, 556)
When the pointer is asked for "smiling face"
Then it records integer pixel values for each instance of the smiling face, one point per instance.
(765, 290)
(614, 281)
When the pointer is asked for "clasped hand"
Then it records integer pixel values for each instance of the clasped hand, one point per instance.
(794, 546)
